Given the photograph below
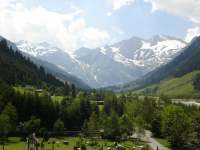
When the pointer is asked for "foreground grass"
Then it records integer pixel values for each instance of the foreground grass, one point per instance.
(15, 144)
(165, 143)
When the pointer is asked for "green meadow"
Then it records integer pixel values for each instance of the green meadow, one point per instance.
(172, 86)
(15, 144)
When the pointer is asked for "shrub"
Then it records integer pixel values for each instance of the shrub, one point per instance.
(83, 147)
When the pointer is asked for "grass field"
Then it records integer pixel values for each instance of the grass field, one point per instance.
(25, 89)
(58, 98)
(174, 85)
(15, 144)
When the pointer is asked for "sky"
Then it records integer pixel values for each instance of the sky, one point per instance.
(73, 24)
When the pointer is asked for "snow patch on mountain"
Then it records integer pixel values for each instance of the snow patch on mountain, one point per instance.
(103, 50)
(115, 49)
(164, 46)
(61, 67)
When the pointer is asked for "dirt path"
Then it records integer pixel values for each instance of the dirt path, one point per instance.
(152, 142)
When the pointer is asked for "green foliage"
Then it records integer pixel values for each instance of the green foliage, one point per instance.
(45, 135)
(173, 123)
(118, 139)
(4, 124)
(93, 123)
(148, 108)
(85, 126)
(73, 90)
(11, 112)
(140, 130)
(59, 125)
(191, 137)
(114, 125)
(66, 89)
(83, 147)
(126, 124)
(80, 139)
(156, 126)
(33, 125)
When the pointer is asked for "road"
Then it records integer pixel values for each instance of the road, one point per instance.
(153, 143)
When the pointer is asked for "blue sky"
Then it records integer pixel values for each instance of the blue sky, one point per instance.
(70, 25)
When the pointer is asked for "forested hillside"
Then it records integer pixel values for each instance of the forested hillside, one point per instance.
(19, 70)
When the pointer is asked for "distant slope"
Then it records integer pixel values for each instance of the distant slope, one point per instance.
(181, 65)
(172, 87)
(51, 68)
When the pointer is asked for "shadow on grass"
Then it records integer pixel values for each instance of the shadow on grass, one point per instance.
(9, 142)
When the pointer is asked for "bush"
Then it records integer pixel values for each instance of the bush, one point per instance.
(83, 147)
(118, 139)
(45, 135)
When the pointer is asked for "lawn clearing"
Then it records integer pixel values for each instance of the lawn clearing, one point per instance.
(15, 144)
(58, 98)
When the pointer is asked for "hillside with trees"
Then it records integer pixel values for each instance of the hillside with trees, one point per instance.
(19, 70)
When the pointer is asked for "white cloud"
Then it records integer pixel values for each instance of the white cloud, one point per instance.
(93, 37)
(118, 30)
(109, 14)
(192, 33)
(185, 8)
(113, 40)
(72, 5)
(117, 4)
(39, 25)
(5, 3)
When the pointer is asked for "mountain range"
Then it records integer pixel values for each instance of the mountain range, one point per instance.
(110, 65)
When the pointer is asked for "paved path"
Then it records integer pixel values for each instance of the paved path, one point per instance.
(153, 143)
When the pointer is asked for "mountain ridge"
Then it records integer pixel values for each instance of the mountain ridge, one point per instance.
(128, 59)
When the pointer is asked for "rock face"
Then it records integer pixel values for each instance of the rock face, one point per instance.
(110, 65)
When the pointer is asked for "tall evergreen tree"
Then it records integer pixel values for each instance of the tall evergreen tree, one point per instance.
(66, 89)
(73, 89)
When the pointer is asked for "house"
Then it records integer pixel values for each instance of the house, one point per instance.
(100, 102)
(39, 90)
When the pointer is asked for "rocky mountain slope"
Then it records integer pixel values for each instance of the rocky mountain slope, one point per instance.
(110, 65)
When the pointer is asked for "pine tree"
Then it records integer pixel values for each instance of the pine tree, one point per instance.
(73, 91)
(66, 89)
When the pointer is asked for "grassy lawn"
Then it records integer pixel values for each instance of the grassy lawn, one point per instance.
(58, 98)
(28, 88)
(165, 143)
(100, 107)
(15, 144)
